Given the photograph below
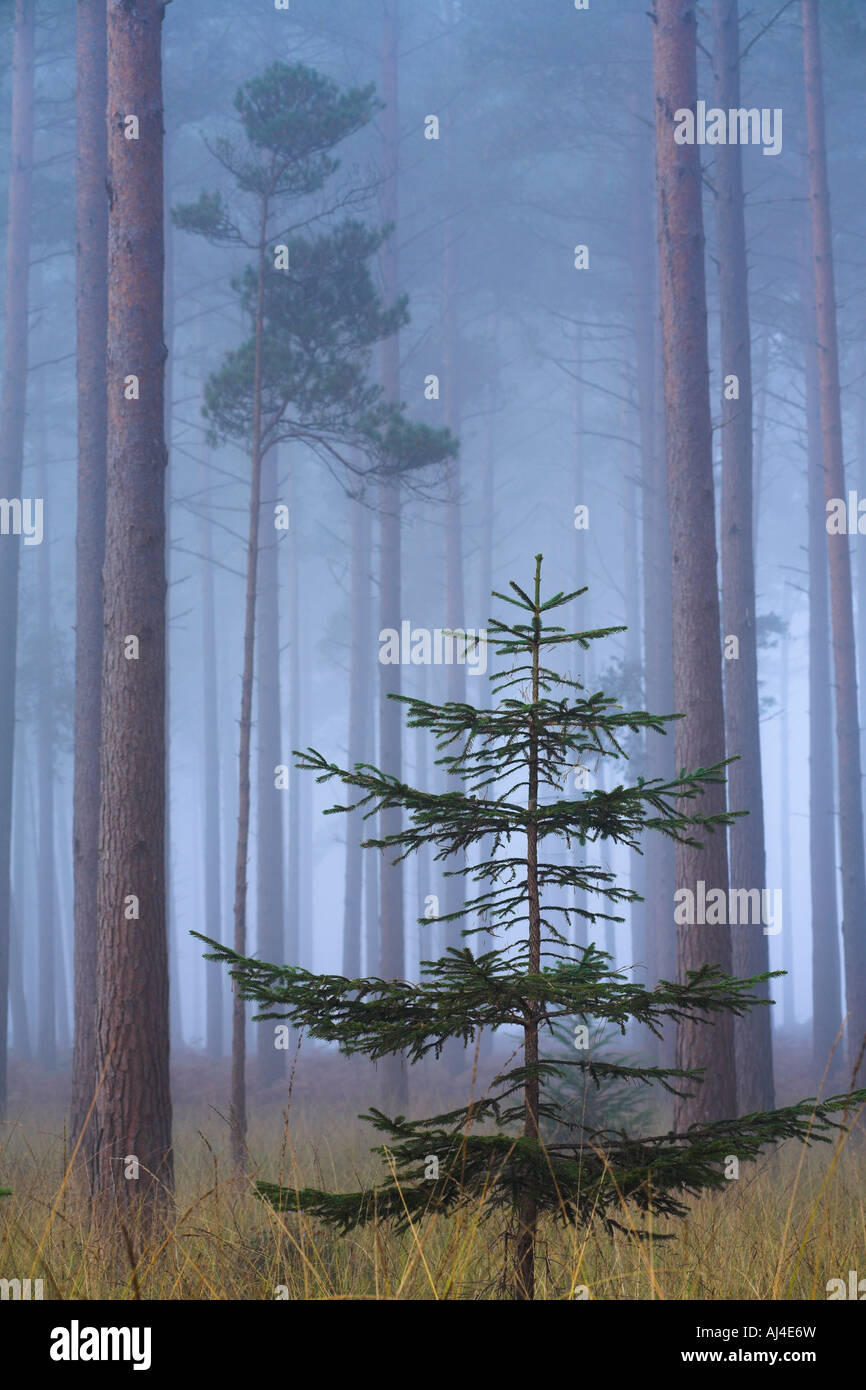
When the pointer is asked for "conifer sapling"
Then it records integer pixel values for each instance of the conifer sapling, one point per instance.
(510, 763)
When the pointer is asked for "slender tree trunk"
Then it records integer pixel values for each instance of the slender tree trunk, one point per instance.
(63, 899)
(826, 972)
(18, 996)
(581, 621)
(527, 1222)
(13, 408)
(91, 309)
(359, 685)
(785, 817)
(658, 659)
(861, 557)
(238, 1108)
(211, 759)
(49, 943)
(395, 1082)
(300, 696)
(632, 660)
(296, 935)
(371, 865)
(24, 909)
(759, 394)
(752, 1032)
(841, 603)
(134, 1105)
(454, 1052)
(700, 736)
(176, 1021)
(269, 854)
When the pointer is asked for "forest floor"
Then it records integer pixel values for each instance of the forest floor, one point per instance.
(790, 1222)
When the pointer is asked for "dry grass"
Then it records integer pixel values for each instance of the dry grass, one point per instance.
(786, 1226)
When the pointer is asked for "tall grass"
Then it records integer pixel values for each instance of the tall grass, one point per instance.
(782, 1229)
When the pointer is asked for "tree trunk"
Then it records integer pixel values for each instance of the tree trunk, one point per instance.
(527, 1216)
(454, 1051)
(49, 942)
(826, 973)
(395, 1082)
(700, 736)
(658, 658)
(91, 309)
(581, 620)
(759, 393)
(175, 1021)
(269, 851)
(752, 1033)
(18, 996)
(134, 1106)
(293, 874)
(841, 604)
(65, 929)
(787, 942)
(211, 758)
(238, 1107)
(359, 685)
(13, 407)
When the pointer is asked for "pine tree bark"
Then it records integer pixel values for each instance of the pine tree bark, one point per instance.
(658, 659)
(294, 859)
(454, 1052)
(827, 1047)
(700, 735)
(133, 1112)
(238, 1106)
(752, 1033)
(359, 685)
(787, 981)
(176, 1020)
(91, 311)
(841, 601)
(269, 850)
(527, 1215)
(395, 1083)
(212, 818)
(17, 995)
(49, 942)
(13, 406)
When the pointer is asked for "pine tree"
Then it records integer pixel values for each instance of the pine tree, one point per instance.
(513, 760)
(302, 373)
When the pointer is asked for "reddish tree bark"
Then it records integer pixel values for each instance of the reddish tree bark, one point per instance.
(658, 660)
(752, 1032)
(133, 1113)
(700, 736)
(13, 407)
(91, 308)
(841, 602)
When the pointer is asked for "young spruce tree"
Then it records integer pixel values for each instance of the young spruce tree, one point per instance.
(513, 760)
